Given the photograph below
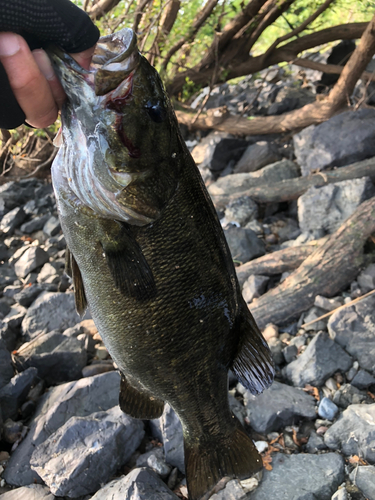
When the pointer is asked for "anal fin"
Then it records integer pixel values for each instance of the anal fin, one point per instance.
(79, 290)
(138, 404)
(253, 364)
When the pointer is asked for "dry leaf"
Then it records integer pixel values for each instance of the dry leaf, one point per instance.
(372, 396)
(312, 390)
(267, 460)
(355, 459)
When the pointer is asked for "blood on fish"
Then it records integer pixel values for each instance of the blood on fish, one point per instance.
(133, 151)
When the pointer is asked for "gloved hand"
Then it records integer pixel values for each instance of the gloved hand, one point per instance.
(29, 89)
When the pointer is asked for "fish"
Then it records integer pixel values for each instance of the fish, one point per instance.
(148, 256)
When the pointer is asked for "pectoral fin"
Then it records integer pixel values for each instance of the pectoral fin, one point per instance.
(128, 266)
(138, 404)
(253, 364)
(79, 290)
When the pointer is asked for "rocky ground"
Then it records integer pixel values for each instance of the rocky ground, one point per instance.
(62, 433)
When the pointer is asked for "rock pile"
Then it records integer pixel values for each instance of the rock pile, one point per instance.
(61, 431)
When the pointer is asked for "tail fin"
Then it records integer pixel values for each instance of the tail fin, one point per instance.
(207, 461)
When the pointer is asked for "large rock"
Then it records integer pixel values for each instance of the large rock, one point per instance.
(14, 393)
(364, 478)
(217, 149)
(139, 484)
(354, 432)
(30, 492)
(344, 139)
(327, 207)
(354, 329)
(277, 407)
(73, 399)
(256, 156)
(50, 311)
(235, 183)
(31, 259)
(322, 358)
(12, 220)
(244, 244)
(301, 477)
(348, 395)
(86, 451)
(241, 210)
(6, 368)
(57, 357)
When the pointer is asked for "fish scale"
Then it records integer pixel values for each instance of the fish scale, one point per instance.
(160, 283)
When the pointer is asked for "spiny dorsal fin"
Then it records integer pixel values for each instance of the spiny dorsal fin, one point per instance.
(79, 290)
(128, 266)
(138, 404)
(253, 364)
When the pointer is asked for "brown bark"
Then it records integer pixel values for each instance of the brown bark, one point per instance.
(333, 69)
(167, 20)
(286, 53)
(327, 271)
(291, 189)
(285, 260)
(101, 8)
(141, 5)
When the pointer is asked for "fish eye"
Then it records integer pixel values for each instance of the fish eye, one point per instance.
(156, 112)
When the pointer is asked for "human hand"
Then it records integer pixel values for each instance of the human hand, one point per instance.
(29, 89)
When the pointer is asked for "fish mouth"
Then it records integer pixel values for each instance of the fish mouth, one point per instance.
(115, 57)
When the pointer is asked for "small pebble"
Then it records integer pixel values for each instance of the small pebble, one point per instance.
(327, 409)
(261, 446)
(271, 331)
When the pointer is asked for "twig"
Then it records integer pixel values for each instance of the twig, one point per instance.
(42, 165)
(354, 301)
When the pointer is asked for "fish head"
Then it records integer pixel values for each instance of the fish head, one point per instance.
(121, 150)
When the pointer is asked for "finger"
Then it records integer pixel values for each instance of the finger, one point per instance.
(45, 67)
(84, 58)
(29, 86)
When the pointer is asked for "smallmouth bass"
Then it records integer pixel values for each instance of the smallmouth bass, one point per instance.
(147, 254)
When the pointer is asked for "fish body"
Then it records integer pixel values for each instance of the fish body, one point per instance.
(149, 257)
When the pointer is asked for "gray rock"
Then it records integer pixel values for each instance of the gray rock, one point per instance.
(52, 226)
(58, 358)
(50, 311)
(354, 329)
(313, 314)
(34, 224)
(354, 432)
(254, 287)
(30, 492)
(290, 353)
(366, 278)
(6, 368)
(8, 335)
(328, 304)
(327, 409)
(12, 431)
(14, 393)
(48, 274)
(235, 183)
(139, 484)
(319, 147)
(244, 244)
(156, 452)
(276, 348)
(348, 395)
(341, 494)
(327, 207)
(31, 259)
(12, 220)
(232, 491)
(14, 194)
(315, 443)
(27, 295)
(159, 466)
(86, 451)
(241, 210)
(217, 149)
(277, 407)
(256, 156)
(80, 398)
(362, 380)
(364, 478)
(322, 358)
(301, 477)
(173, 442)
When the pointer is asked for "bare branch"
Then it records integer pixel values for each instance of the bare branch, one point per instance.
(333, 69)
(101, 8)
(199, 20)
(141, 5)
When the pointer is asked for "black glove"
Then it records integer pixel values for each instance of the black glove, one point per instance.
(41, 22)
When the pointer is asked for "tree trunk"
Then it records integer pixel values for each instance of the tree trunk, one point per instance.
(328, 271)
